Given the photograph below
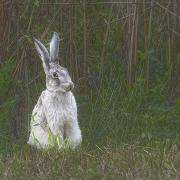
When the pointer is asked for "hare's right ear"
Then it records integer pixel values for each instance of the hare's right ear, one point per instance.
(43, 53)
(54, 48)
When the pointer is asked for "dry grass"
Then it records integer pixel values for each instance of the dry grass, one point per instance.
(124, 162)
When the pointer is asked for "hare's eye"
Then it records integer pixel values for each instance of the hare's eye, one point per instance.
(55, 75)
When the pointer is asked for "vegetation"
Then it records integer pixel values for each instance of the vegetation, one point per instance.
(124, 59)
(125, 162)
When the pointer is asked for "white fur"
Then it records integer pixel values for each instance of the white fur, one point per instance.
(58, 112)
(55, 114)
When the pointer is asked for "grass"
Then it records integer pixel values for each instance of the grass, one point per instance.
(129, 131)
(123, 162)
(134, 135)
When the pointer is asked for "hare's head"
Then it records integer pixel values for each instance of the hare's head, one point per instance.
(57, 77)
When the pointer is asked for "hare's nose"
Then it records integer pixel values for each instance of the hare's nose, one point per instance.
(70, 86)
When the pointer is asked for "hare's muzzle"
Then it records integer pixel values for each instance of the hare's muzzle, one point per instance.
(68, 86)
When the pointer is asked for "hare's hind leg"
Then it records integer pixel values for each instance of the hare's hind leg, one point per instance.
(73, 133)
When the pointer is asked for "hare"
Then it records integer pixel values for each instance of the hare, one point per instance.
(56, 110)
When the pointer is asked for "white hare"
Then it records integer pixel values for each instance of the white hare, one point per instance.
(56, 109)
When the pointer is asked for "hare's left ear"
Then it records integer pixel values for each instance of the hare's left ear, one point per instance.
(43, 53)
(54, 48)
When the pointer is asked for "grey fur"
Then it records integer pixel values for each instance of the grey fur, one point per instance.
(54, 48)
(56, 108)
(43, 53)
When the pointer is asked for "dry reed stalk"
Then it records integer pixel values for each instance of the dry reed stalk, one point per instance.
(148, 44)
(84, 38)
(136, 35)
(71, 40)
(175, 45)
(132, 50)
(147, 34)
(4, 27)
(105, 40)
(74, 42)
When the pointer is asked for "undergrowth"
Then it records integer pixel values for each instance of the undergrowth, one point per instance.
(128, 133)
(123, 162)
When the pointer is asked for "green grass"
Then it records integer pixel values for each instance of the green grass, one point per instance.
(123, 162)
(129, 134)
(119, 116)
(129, 131)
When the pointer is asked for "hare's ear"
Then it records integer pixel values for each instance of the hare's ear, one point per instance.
(54, 48)
(43, 53)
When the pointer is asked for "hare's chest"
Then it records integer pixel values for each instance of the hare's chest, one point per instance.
(57, 111)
